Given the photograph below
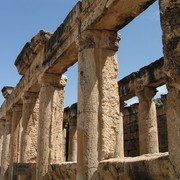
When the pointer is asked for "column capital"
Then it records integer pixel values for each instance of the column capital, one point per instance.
(6, 91)
(99, 39)
(29, 97)
(72, 121)
(145, 93)
(8, 116)
(17, 107)
(56, 80)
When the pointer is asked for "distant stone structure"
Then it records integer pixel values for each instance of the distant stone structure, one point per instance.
(99, 138)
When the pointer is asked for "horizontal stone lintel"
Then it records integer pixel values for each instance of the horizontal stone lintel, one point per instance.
(30, 51)
(151, 75)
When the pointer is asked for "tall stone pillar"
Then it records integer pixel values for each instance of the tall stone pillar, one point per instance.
(51, 107)
(99, 126)
(30, 117)
(1, 136)
(72, 149)
(170, 21)
(5, 147)
(147, 121)
(64, 141)
(14, 141)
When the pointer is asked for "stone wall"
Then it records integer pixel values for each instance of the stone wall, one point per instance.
(131, 135)
(130, 123)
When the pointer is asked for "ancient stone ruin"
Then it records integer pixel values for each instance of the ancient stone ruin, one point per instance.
(99, 137)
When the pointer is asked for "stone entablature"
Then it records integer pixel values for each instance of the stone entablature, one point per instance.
(30, 51)
(151, 75)
(7, 90)
(61, 52)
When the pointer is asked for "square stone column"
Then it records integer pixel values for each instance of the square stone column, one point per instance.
(99, 126)
(14, 141)
(147, 121)
(170, 23)
(51, 108)
(30, 117)
(5, 146)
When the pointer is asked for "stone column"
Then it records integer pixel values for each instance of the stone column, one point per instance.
(51, 107)
(30, 117)
(169, 13)
(99, 128)
(64, 141)
(147, 121)
(72, 149)
(14, 141)
(5, 147)
(1, 136)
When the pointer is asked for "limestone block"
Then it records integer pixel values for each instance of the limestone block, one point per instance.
(66, 171)
(149, 167)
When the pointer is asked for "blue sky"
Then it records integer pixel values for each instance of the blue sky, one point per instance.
(20, 20)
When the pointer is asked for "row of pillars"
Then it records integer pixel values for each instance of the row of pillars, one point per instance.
(33, 129)
(28, 145)
(99, 124)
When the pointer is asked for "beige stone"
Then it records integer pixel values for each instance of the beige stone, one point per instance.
(14, 141)
(147, 121)
(156, 167)
(5, 159)
(72, 150)
(64, 142)
(30, 117)
(94, 25)
(51, 105)
(100, 130)
(2, 127)
(169, 14)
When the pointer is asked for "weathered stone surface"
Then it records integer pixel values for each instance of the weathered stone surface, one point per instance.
(62, 171)
(30, 51)
(2, 127)
(6, 91)
(130, 123)
(150, 166)
(5, 157)
(51, 106)
(61, 51)
(173, 122)
(170, 23)
(111, 14)
(72, 145)
(151, 75)
(147, 120)
(15, 141)
(100, 129)
(30, 116)
(94, 24)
